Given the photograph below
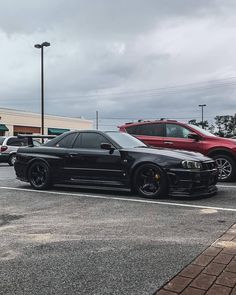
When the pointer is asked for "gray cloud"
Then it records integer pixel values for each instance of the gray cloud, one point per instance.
(104, 54)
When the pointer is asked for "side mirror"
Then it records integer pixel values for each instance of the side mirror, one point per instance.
(194, 136)
(106, 146)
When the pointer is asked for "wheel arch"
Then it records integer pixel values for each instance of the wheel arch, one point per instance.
(220, 151)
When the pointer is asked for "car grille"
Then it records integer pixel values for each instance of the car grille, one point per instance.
(208, 165)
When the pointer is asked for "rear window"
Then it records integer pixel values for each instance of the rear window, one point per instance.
(67, 141)
(131, 129)
(2, 140)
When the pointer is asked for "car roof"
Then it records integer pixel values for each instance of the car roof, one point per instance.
(150, 122)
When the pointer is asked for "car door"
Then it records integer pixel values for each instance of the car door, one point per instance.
(88, 161)
(176, 137)
(61, 150)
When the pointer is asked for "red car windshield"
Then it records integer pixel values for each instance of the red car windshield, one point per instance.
(203, 131)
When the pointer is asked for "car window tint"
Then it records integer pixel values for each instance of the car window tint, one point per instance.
(2, 140)
(131, 129)
(174, 130)
(17, 142)
(155, 129)
(90, 141)
(67, 141)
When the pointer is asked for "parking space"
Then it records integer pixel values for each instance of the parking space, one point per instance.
(89, 241)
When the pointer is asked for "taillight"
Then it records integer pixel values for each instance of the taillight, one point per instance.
(3, 148)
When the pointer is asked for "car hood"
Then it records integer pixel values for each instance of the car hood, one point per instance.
(177, 154)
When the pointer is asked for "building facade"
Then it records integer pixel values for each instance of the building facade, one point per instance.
(13, 122)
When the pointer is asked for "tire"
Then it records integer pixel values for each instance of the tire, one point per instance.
(39, 175)
(12, 159)
(227, 167)
(150, 181)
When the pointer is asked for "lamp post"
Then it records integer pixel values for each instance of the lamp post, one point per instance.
(40, 46)
(202, 106)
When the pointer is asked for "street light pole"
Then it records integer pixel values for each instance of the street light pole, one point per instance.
(40, 46)
(202, 106)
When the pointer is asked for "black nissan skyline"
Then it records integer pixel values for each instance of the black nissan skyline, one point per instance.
(116, 159)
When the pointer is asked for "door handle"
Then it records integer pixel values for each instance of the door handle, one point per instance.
(73, 155)
(168, 142)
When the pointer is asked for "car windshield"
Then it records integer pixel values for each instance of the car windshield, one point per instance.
(125, 140)
(203, 131)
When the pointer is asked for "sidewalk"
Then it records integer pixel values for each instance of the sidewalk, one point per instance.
(211, 273)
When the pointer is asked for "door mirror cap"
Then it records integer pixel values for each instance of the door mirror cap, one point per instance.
(106, 146)
(194, 136)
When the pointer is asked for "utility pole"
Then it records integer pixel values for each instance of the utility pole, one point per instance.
(202, 106)
(97, 120)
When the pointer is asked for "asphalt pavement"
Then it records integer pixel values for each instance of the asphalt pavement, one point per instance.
(92, 241)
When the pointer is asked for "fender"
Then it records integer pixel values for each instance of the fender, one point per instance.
(219, 150)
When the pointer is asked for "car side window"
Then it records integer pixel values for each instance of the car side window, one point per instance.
(17, 142)
(153, 129)
(67, 141)
(90, 141)
(177, 131)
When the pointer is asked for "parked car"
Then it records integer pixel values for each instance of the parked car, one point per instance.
(176, 135)
(116, 159)
(9, 146)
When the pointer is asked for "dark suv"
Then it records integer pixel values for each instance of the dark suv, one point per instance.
(177, 135)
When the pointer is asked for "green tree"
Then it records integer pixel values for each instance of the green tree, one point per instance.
(226, 125)
(194, 122)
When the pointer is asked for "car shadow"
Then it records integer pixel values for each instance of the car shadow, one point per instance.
(115, 192)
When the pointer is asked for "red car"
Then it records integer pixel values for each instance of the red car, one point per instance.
(176, 135)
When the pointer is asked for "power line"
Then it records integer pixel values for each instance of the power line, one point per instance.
(211, 84)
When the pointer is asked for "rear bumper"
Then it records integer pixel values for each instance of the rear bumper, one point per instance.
(4, 158)
(187, 183)
(21, 171)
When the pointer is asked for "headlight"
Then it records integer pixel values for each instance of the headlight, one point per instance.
(191, 165)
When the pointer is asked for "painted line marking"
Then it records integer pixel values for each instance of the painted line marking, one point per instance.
(225, 186)
(120, 199)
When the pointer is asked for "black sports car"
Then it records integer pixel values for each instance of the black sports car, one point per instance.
(116, 159)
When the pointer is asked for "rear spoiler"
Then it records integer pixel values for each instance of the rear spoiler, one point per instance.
(31, 137)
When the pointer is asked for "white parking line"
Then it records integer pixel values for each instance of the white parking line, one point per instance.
(225, 186)
(120, 199)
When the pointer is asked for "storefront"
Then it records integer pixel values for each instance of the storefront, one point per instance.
(26, 130)
(3, 129)
(13, 122)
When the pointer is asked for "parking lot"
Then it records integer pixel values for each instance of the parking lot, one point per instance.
(89, 241)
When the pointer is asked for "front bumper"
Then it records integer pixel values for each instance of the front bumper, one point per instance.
(190, 183)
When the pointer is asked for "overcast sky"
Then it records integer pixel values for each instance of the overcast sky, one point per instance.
(127, 59)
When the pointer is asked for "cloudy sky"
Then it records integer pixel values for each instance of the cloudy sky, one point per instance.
(128, 59)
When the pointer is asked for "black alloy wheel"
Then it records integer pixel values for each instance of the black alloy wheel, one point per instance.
(226, 166)
(11, 160)
(39, 175)
(150, 181)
